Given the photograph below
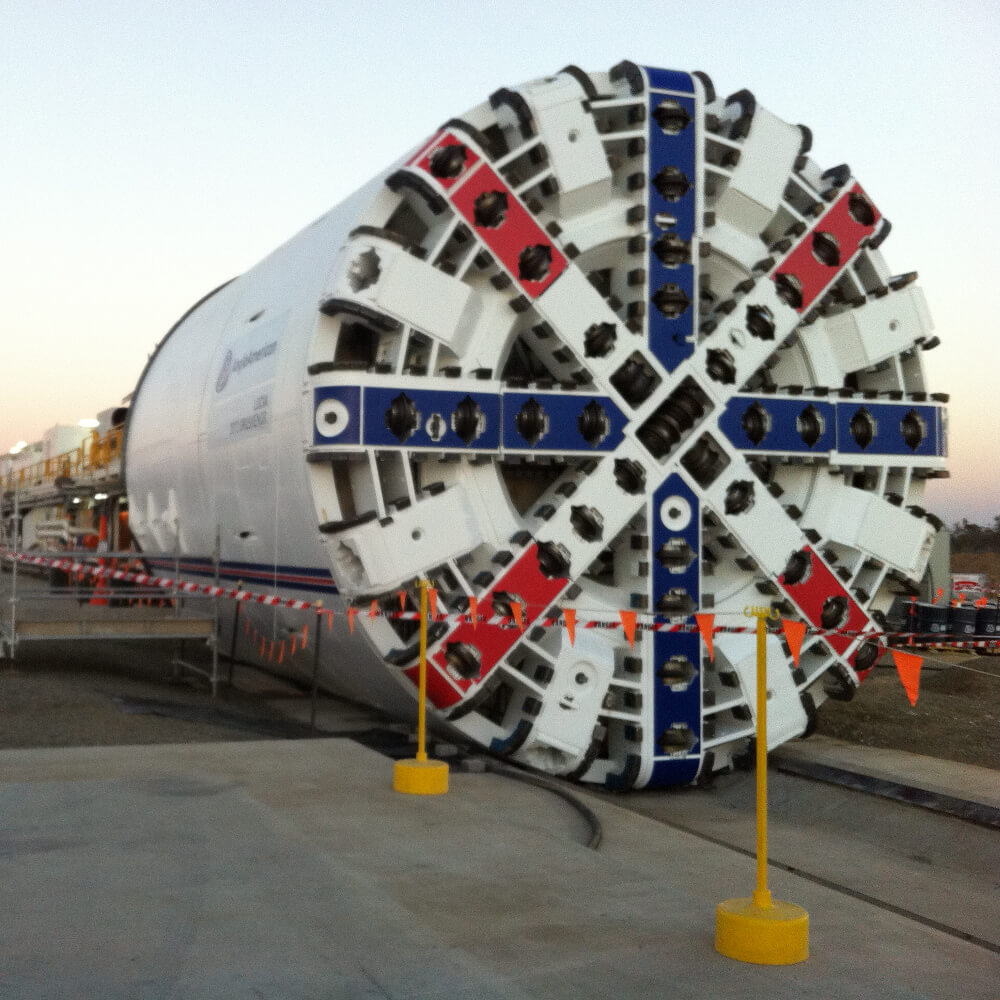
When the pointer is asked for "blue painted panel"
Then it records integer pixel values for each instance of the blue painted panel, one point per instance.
(435, 411)
(674, 772)
(665, 578)
(349, 396)
(888, 436)
(675, 503)
(563, 412)
(669, 79)
(673, 151)
(672, 339)
(780, 417)
(677, 707)
(364, 415)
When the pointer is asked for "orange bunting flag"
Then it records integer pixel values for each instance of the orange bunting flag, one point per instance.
(373, 610)
(351, 612)
(432, 597)
(570, 615)
(938, 595)
(795, 632)
(981, 603)
(329, 620)
(473, 610)
(402, 600)
(908, 667)
(518, 608)
(628, 623)
(706, 626)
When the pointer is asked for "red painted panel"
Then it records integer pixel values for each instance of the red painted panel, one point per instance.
(441, 689)
(837, 221)
(518, 231)
(811, 593)
(493, 642)
(422, 160)
(424, 149)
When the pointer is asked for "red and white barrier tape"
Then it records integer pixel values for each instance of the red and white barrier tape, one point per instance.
(645, 623)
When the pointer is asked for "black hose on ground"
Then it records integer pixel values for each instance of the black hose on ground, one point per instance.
(554, 786)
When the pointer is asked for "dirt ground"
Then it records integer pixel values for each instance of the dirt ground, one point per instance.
(124, 693)
(957, 715)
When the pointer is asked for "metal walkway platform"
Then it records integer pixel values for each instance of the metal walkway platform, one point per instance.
(37, 611)
(32, 610)
(62, 618)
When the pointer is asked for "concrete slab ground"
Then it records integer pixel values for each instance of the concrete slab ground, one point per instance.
(291, 869)
(930, 867)
(933, 774)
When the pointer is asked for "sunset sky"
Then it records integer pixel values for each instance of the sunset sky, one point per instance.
(152, 150)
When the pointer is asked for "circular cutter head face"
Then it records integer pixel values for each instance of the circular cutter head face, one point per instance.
(612, 343)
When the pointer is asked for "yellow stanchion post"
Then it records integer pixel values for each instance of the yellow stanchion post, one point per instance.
(420, 776)
(760, 929)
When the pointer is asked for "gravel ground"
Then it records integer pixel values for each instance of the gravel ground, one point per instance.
(122, 693)
(107, 693)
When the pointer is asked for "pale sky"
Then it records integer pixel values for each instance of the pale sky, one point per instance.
(152, 150)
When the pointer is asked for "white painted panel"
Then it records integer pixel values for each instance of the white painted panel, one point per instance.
(884, 327)
(582, 675)
(758, 182)
(868, 522)
(785, 715)
(576, 152)
(427, 533)
(763, 530)
(424, 297)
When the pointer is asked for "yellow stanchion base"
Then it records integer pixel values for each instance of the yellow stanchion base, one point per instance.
(766, 935)
(420, 777)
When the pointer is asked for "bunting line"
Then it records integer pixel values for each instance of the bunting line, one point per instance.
(795, 632)
(569, 614)
(706, 626)
(629, 621)
(907, 664)
(908, 667)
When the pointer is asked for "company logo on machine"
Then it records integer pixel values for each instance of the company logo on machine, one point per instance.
(224, 372)
(245, 369)
(257, 419)
(234, 367)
